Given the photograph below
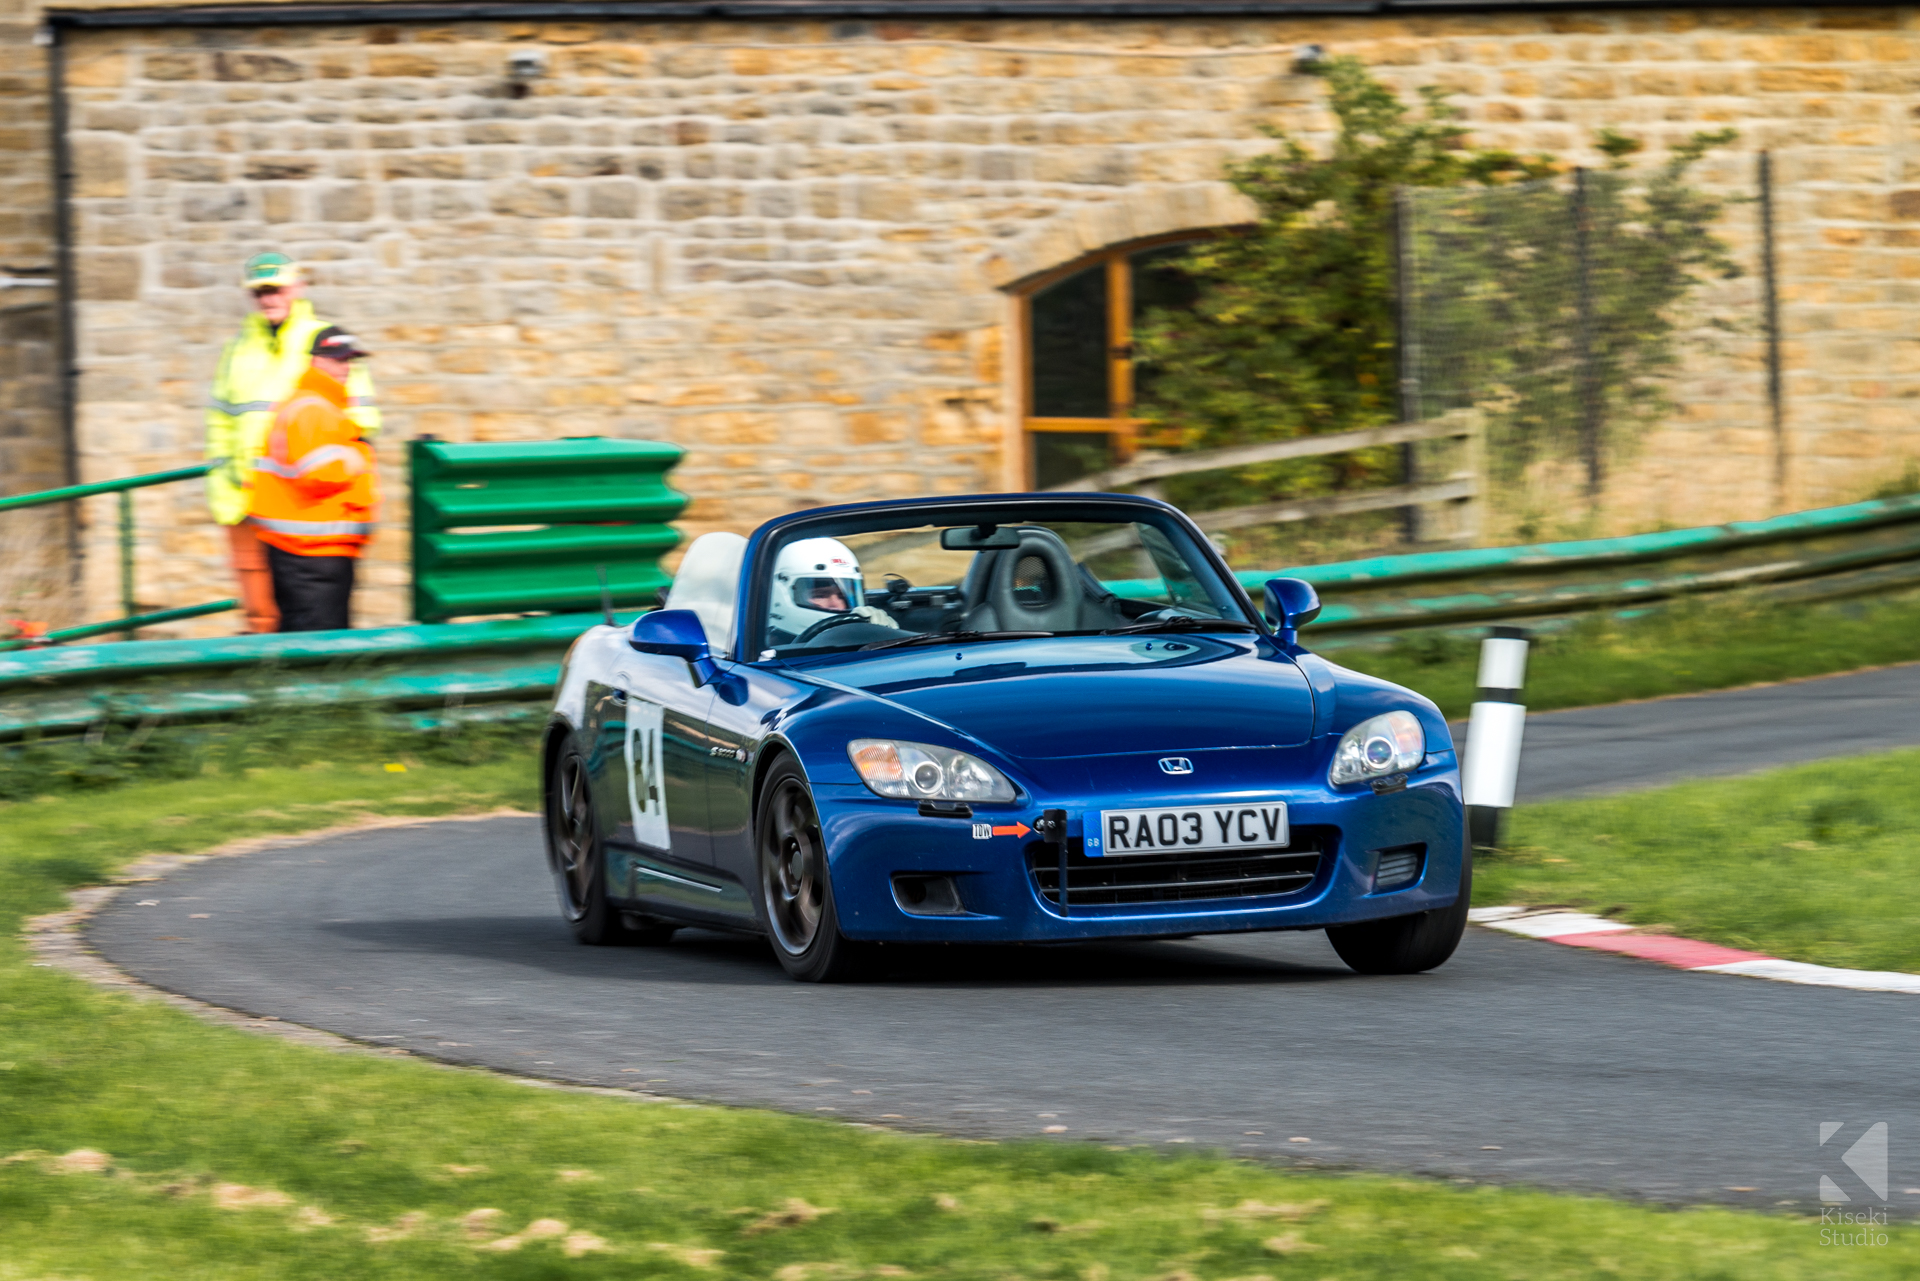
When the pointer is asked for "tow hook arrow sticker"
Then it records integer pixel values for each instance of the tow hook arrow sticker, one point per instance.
(1017, 829)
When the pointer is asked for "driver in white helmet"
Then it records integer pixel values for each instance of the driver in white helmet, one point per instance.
(814, 580)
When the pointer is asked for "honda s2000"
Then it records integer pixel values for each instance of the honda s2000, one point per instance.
(1018, 718)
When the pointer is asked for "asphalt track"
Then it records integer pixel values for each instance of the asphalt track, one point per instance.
(1519, 1061)
(1633, 745)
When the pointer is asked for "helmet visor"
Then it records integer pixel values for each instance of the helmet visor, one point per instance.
(826, 595)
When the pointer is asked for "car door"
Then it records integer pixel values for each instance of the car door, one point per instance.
(745, 699)
(653, 800)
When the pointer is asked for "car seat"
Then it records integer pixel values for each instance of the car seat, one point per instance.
(1036, 586)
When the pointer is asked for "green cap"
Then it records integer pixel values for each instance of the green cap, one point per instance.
(268, 271)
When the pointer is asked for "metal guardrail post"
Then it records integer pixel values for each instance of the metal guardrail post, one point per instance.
(1591, 388)
(418, 522)
(1776, 403)
(1411, 410)
(126, 560)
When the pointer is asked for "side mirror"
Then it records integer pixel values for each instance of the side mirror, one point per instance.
(676, 633)
(1291, 604)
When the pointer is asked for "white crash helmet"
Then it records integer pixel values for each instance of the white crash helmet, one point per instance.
(805, 571)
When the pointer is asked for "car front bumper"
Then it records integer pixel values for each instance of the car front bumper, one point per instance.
(872, 841)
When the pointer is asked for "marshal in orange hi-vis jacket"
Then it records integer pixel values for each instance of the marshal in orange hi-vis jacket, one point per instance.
(314, 499)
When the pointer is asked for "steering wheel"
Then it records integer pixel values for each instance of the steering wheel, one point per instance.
(826, 624)
(1060, 614)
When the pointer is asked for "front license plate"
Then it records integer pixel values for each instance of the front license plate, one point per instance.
(1195, 829)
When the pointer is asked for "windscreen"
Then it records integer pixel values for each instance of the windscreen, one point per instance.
(1005, 578)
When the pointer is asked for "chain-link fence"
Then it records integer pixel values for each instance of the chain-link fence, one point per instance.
(1578, 317)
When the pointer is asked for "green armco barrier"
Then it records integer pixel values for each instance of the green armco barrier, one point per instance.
(597, 505)
(1598, 552)
(1825, 553)
(508, 667)
(70, 688)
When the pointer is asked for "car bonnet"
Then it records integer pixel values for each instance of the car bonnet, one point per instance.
(1076, 696)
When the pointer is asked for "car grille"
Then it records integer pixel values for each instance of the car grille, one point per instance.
(1095, 882)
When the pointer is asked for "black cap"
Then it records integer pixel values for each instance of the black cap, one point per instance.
(336, 343)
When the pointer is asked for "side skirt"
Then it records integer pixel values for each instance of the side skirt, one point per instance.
(640, 880)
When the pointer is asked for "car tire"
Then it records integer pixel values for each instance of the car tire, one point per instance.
(577, 855)
(796, 885)
(1407, 944)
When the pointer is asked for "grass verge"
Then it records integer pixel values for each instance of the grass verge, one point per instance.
(1815, 863)
(1682, 649)
(149, 1144)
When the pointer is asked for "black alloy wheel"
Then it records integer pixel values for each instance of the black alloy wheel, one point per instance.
(577, 855)
(796, 890)
(1408, 944)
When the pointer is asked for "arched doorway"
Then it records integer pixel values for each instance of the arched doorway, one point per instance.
(1082, 381)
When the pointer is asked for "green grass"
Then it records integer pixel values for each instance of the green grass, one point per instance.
(347, 1163)
(1815, 863)
(1684, 648)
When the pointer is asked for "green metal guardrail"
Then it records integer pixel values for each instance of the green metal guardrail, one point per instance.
(481, 668)
(504, 528)
(509, 667)
(1823, 554)
(131, 621)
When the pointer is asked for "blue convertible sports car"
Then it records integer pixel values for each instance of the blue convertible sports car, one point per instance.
(1032, 718)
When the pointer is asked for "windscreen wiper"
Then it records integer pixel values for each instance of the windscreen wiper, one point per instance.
(1182, 623)
(942, 638)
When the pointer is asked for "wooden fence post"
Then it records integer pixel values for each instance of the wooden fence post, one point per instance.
(1473, 467)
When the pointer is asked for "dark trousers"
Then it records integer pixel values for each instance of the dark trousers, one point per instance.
(313, 592)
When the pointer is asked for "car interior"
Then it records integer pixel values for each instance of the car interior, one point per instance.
(1034, 586)
(1023, 578)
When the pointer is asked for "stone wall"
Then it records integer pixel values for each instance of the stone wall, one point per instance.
(32, 456)
(789, 247)
(34, 542)
(26, 173)
(770, 245)
(34, 569)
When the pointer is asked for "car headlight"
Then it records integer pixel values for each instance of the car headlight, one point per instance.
(1388, 744)
(923, 772)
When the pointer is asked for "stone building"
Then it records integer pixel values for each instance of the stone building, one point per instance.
(802, 242)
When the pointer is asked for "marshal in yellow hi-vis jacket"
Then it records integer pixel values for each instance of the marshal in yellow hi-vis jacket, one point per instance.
(258, 370)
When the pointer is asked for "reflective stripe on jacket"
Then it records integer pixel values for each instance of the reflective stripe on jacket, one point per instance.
(258, 370)
(313, 491)
(313, 528)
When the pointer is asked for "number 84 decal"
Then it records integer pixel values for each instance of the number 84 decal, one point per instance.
(646, 797)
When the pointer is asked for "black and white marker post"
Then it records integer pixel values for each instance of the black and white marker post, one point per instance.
(1492, 767)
